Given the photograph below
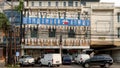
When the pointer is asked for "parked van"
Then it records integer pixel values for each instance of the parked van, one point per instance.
(51, 60)
(80, 58)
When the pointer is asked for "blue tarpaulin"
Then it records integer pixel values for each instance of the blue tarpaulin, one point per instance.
(55, 21)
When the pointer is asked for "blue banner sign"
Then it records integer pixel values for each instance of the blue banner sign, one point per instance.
(56, 21)
(13, 16)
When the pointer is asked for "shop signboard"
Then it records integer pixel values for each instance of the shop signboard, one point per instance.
(56, 21)
(13, 16)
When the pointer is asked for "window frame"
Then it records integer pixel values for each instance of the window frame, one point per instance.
(76, 4)
(83, 3)
(71, 33)
(57, 3)
(64, 3)
(70, 3)
(118, 33)
(33, 31)
(51, 32)
(118, 17)
(32, 3)
(40, 3)
(49, 3)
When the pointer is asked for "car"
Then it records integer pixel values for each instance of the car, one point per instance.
(80, 58)
(26, 60)
(104, 61)
(51, 60)
(66, 59)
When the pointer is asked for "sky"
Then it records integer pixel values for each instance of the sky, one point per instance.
(117, 2)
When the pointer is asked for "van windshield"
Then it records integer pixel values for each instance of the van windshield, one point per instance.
(28, 56)
(66, 57)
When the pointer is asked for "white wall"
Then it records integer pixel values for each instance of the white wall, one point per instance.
(53, 3)
(101, 23)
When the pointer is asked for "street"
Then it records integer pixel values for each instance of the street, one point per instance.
(115, 65)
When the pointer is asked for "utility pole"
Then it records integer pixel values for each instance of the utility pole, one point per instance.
(21, 17)
(11, 56)
(60, 43)
(10, 37)
(14, 45)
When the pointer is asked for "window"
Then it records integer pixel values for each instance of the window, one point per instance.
(76, 4)
(118, 17)
(118, 32)
(64, 4)
(71, 33)
(78, 15)
(32, 3)
(57, 3)
(52, 32)
(49, 3)
(83, 3)
(17, 40)
(23, 32)
(64, 15)
(87, 34)
(102, 26)
(59, 14)
(70, 3)
(34, 32)
(40, 3)
(4, 39)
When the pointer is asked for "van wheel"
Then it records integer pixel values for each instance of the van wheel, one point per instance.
(49, 64)
(40, 64)
(102, 66)
(79, 62)
(107, 65)
(32, 65)
(86, 65)
(58, 65)
(21, 65)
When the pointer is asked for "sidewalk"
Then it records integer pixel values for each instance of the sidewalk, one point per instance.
(2, 63)
(115, 65)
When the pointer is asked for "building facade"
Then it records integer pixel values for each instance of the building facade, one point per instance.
(46, 21)
(81, 24)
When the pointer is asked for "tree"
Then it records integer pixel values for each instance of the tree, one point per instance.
(20, 9)
(4, 26)
(20, 6)
(4, 23)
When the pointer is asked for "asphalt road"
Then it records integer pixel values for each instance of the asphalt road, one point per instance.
(72, 66)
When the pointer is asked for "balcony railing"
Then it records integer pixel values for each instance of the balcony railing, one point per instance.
(55, 42)
(52, 7)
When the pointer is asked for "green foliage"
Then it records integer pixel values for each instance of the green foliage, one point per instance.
(4, 22)
(20, 6)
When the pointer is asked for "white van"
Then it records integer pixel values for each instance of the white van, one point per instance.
(51, 60)
(80, 58)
